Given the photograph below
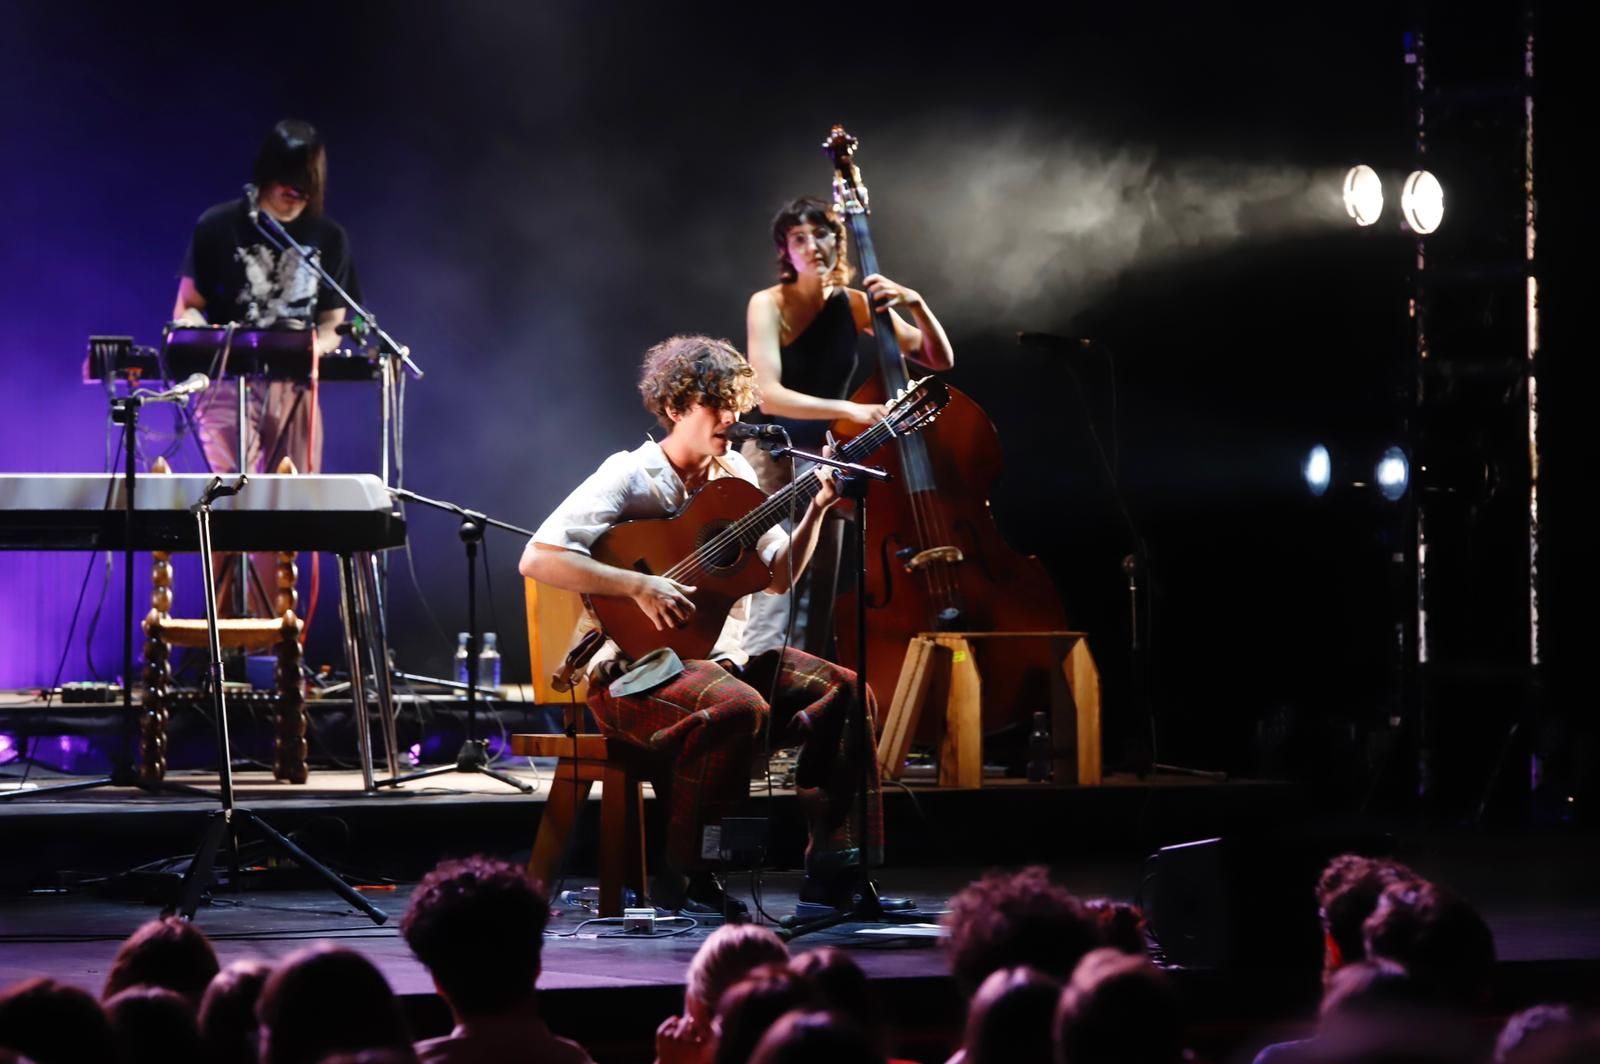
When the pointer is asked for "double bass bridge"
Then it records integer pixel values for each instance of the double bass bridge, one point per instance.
(915, 560)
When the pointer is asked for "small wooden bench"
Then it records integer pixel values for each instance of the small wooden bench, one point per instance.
(949, 662)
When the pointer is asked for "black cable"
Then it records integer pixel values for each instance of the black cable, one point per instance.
(933, 833)
(1145, 668)
(94, 620)
(494, 617)
(772, 694)
(113, 450)
(26, 751)
(693, 923)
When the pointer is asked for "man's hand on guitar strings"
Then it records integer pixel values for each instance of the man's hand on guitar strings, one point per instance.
(665, 601)
(828, 494)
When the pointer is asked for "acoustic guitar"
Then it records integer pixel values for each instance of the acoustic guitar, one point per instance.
(710, 543)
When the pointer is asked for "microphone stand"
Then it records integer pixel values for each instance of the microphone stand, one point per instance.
(1133, 565)
(273, 230)
(474, 754)
(866, 906)
(223, 825)
(388, 348)
(390, 353)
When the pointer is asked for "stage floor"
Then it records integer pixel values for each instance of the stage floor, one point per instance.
(1539, 891)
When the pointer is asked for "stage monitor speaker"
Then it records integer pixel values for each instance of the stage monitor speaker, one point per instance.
(1236, 902)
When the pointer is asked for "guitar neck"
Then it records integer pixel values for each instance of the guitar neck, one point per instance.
(752, 526)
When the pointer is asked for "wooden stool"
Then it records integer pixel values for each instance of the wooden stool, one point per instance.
(948, 662)
(619, 767)
(280, 633)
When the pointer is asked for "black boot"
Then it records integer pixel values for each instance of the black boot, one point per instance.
(834, 880)
(699, 893)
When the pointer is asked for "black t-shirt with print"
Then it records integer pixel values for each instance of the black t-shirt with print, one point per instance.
(244, 279)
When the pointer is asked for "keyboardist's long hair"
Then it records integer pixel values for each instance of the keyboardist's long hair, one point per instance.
(293, 153)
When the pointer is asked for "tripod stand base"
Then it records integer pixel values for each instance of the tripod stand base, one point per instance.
(474, 757)
(868, 908)
(223, 827)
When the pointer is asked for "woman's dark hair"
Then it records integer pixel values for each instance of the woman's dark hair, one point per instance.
(293, 154)
(841, 986)
(801, 1036)
(808, 210)
(228, 1012)
(167, 952)
(1012, 1018)
(325, 999)
(154, 1025)
(49, 1021)
(753, 1005)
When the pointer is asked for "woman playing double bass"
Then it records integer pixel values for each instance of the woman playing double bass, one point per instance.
(801, 342)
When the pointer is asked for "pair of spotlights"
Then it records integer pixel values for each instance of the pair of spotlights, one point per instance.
(1421, 198)
(1391, 474)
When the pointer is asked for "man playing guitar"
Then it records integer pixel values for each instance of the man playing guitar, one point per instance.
(704, 719)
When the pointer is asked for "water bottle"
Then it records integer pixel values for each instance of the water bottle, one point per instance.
(489, 664)
(1039, 750)
(461, 658)
(588, 898)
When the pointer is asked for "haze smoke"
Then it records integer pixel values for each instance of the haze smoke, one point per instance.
(1009, 221)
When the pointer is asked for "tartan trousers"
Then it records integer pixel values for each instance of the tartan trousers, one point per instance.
(704, 724)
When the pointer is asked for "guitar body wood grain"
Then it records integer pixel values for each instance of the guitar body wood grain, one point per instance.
(655, 545)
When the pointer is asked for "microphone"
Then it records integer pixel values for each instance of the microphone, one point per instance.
(1052, 342)
(744, 430)
(195, 382)
(252, 196)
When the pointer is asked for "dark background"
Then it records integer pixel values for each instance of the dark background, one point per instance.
(536, 193)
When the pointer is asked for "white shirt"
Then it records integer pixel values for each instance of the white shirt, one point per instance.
(637, 484)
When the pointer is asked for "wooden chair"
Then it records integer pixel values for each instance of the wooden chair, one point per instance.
(553, 616)
(945, 666)
(619, 767)
(583, 761)
(282, 632)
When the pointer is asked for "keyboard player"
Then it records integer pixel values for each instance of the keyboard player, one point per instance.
(231, 273)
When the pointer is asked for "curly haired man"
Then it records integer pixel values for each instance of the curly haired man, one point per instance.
(703, 721)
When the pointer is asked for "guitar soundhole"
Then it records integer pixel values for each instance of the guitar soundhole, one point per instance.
(728, 555)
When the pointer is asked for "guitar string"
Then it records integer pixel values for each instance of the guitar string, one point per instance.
(913, 417)
(937, 580)
(776, 503)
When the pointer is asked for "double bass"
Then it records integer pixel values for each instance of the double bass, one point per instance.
(935, 559)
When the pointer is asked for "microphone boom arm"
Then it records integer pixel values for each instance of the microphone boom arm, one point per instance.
(279, 237)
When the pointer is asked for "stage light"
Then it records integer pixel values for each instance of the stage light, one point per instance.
(1422, 202)
(1317, 470)
(1363, 194)
(1356, 470)
(1393, 473)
